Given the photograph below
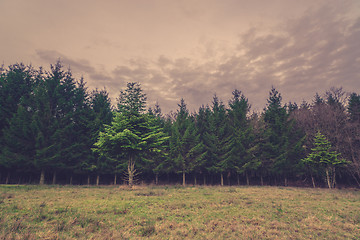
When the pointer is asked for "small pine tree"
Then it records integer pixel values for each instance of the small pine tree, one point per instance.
(323, 159)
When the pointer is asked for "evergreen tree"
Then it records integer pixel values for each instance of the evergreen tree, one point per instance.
(53, 119)
(203, 127)
(354, 107)
(185, 142)
(277, 133)
(156, 162)
(241, 135)
(323, 159)
(131, 134)
(16, 87)
(215, 140)
(100, 104)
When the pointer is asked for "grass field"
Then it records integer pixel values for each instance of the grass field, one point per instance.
(75, 212)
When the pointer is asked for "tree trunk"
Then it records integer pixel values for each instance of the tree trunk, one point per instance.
(54, 178)
(97, 179)
(88, 180)
(247, 178)
(204, 178)
(238, 179)
(184, 182)
(222, 179)
(42, 177)
(7, 178)
(228, 178)
(195, 179)
(71, 180)
(328, 177)
(333, 177)
(131, 170)
(285, 180)
(156, 178)
(19, 181)
(262, 180)
(313, 181)
(115, 178)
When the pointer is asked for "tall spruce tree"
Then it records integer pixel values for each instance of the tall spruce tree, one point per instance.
(203, 127)
(53, 119)
(16, 87)
(240, 135)
(276, 135)
(101, 110)
(185, 142)
(215, 140)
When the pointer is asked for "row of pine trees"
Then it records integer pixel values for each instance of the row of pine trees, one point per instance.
(54, 130)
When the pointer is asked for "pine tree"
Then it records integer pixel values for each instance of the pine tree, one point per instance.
(354, 107)
(16, 87)
(101, 112)
(131, 134)
(156, 162)
(276, 142)
(241, 135)
(203, 127)
(185, 142)
(323, 159)
(215, 140)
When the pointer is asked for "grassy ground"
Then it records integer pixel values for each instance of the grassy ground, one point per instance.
(70, 212)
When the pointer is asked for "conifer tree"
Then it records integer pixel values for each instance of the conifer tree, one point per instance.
(203, 127)
(323, 159)
(131, 134)
(16, 87)
(100, 104)
(240, 135)
(277, 129)
(185, 142)
(215, 140)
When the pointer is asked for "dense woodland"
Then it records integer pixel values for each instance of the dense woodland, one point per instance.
(53, 130)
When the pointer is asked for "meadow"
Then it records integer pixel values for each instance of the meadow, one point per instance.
(174, 212)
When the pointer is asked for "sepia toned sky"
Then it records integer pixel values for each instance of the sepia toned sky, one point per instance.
(191, 49)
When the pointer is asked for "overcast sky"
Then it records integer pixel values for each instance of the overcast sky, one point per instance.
(191, 49)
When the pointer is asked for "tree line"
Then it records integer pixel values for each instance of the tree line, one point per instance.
(54, 130)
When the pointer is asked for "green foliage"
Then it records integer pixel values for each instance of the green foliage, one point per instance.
(185, 145)
(323, 159)
(132, 135)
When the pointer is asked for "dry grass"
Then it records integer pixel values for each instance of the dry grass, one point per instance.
(70, 212)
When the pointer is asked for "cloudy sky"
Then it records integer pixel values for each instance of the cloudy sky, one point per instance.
(191, 49)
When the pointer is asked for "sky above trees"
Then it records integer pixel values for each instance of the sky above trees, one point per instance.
(191, 49)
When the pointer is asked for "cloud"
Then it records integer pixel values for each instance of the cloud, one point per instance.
(299, 56)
